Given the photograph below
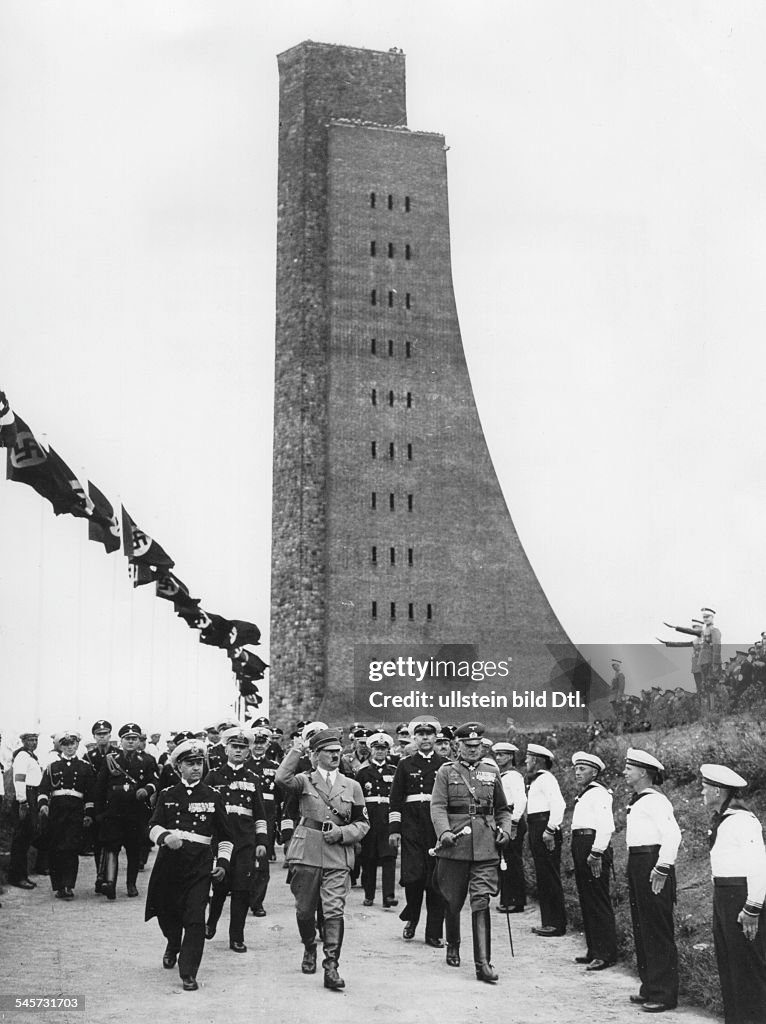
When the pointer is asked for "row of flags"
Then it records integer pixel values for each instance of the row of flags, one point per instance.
(39, 465)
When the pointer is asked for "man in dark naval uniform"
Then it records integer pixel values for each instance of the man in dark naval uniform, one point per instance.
(375, 778)
(125, 784)
(266, 770)
(96, 758)
(66, 799)
(240, 789)
(409, 822)
(188, 819)
(470, 815)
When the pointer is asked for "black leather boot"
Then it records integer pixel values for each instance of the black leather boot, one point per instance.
(109, 885)
(333, 940)
(452, 930)
(307, 931)
(482, 945)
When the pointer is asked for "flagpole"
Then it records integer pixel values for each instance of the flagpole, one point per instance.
(40, 622)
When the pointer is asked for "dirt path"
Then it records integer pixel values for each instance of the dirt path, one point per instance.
(105, 953)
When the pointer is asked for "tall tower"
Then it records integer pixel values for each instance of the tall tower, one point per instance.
(389, 526)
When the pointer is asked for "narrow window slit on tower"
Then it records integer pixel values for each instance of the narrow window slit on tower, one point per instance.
(409, 399)
(390, 202)
(373, 297)
(373, 500)
(409, 452)
(372, 346)
(372, 248)
(374, 609)
(391, 501)
(390, 250)
(372, 200)
(374, 554)
(410, 610)
(408, 349)
(390, 398)
(390, 298)
(393, 609)
(410, 555)
(391, 450)
(393, 556)
(429, 611)
(374, 397)
(407, 204)
(407, 252)
(373, 449)
(408, 301)
(410, 503)
(390, 346)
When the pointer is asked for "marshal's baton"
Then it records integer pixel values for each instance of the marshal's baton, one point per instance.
(464, 831)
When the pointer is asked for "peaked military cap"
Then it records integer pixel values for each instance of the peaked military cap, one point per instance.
(470, 731)
(324, 738)
(130, 729)
(311, 728)
(424, 723)
(101, 726)
(237, 734)
(181, 736)
(187, 751)
(381, 737)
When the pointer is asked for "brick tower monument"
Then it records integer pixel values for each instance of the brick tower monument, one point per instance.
(390, 531)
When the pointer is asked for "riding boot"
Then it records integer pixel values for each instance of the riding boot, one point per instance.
(452, 930)
(109, 886)
(482, 945)
(217, 900)
(333, 940)
(307, 931)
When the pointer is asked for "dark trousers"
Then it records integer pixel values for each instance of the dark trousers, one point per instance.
(741, 963)
(63, 868)
(23, 831)
(370, 876)
(237, 910)
(261, 875)
(652, 916)
(127, 832)
(595, 902)
(183, 925)
(460, 878)
(550, 893)
(414, 892)
(513, 884)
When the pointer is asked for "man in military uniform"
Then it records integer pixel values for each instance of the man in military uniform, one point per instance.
(653, 838)
(513, 884)
(125, 784)
(187, 821)
(359, 754)
(409, 823)
(240, 789)
(266, 770)
(617, 693)
(333, 817)
(375, 778)
(216, 751)
(592, 829)
(709, 658)
(545, 812)
(27, 775)
(65, 799)
(96, 758)
(471, 819)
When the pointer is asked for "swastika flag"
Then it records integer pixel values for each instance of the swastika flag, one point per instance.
(28, 463)
(139, 546)
(103, 526)
(7, 423)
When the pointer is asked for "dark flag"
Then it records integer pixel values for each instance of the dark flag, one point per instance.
(170, 588)
(249, 690)
(246, 664)
(194, 618)
(72, 500)
(215, 632)
(7, 423)
(28, 463)
(103, 526)
(243, 633)
(140, 548)
(141, 574)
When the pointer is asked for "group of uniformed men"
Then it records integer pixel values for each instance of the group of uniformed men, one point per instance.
(457, 820)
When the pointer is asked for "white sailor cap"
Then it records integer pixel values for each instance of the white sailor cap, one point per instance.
(720, 775)
(505, 748)
(225, 723)
(238, 733)
(708, 611)
(66, 734)
(187, 750)
(308, 730)
(538, 750)
(588, 759)
(380, 737)
(424, 723)
(616, 661)
(643, 759)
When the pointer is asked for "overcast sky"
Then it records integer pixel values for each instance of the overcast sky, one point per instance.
(608, 213)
